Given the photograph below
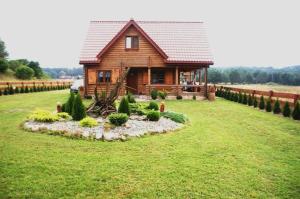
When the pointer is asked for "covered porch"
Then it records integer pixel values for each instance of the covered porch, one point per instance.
(175, 80)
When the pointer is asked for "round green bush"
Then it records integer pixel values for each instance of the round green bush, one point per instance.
(162, 94)
(88, 122)
(179, 97)
(118, 119)
(24, 72)
(154, 94)
(153, 106)
(153, 115)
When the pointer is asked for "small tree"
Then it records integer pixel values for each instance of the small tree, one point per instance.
(269, 106)
(262, 103)
(296, 112)
(286, 110)
(3, 65)
(78, 110)
(255, 103)
(277, 109)
(245, 99)
(24, 72)
(124, 106)
(250, 100)
(69, 104)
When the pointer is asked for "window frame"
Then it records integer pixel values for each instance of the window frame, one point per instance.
(104, 76)
(132, 42)
(158, 72)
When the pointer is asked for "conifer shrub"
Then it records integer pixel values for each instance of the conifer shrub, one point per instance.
(0, 92)
(118, 119)
(245, 98)
(26, 89)
(276, 108)
(154, 94)
(153, 106)
(262, 103)
(153, 115)
(11, 90)
(286, 110)
(124, 106)
(63, 107)
(22, 90)
(130, 98)
(296, 112)
(269, 106)
(255, 103)
(194, 97)
(69, 103)
(240, 98)
(34, 88)
(78, 110)
(17, 90)
(5, 91)
(88, 122)
(250, 100)
(179, 97)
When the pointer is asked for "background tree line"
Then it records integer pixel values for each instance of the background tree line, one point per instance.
(255, 75)
(21, 68)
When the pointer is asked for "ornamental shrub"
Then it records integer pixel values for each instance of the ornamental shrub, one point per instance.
(88, 122)
(17, 90)
(153, 115)
(69, 103)
(78, 110)
(176, 117)
(64, 115)
(296, 112)
(130, 98)
(255, 102)
(22, 90)
(179, 97)
(154, 94)
(262, 103)
(5, 91)
(26, 89)
(162, 94)
(245, 99)
(43, 116)
(11, 90)
(286, 110)
(269, 106)
(124, 106)
(240, 98)
(153, 106)
(250, 100)
(276, 109)
(118, 119)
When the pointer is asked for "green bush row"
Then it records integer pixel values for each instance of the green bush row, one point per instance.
(11, 91)
(262, 104)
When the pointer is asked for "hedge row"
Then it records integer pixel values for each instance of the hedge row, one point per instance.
(261, 103)
(11, 91)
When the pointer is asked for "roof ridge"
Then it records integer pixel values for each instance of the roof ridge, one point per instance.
(142, 21)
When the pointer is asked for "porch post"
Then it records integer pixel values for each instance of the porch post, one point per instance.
(200, 82)
(149, 79)
(176, 79)
(205, 84)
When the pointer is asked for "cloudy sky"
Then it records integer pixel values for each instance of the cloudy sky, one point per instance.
(241, 33)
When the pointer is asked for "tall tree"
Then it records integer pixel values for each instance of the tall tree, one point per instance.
(235, 77)
(3, 52)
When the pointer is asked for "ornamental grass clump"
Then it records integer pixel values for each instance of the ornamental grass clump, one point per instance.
(276, 109)
(43, 116)
(118, 119)
(153, 106)
(78, 110)
(262, 103)
(176, 117)
(269, 106)
(124, 106)
(286, 110)
(153, 115)
(88, 122)
(296, 112)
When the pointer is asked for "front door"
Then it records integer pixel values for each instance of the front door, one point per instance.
(132, 81)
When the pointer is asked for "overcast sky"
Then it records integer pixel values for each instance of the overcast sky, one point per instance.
(241, 33)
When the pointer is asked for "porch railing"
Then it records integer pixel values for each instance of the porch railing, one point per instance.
(177, 89)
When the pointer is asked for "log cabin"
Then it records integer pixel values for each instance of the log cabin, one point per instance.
(163, 55)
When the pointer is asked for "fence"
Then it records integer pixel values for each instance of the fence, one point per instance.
(292, 98)
(31, 84)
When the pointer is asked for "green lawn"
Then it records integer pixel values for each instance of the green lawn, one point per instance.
(227, 151)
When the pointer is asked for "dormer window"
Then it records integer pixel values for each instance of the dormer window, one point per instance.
(132, 42)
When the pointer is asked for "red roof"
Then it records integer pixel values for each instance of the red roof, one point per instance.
(177, 42)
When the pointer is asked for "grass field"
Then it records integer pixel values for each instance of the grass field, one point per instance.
(227, 151)
(268, 87)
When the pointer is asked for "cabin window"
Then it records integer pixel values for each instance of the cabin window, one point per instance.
(157, 77)
(132, 42)
(104, 76)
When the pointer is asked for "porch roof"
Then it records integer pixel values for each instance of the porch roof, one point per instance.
(182, 42)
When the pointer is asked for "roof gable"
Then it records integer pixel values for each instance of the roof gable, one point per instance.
(177, 42)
